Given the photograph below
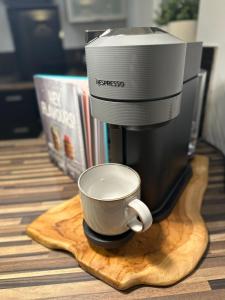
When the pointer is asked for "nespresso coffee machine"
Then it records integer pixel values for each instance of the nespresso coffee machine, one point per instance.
(142, 83)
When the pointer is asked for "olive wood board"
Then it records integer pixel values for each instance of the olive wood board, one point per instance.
(161, 256)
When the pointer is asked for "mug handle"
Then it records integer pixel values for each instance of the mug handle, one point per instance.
(144, 214)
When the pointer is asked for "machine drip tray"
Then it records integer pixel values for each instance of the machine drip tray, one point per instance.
(174, 194)
(110, 242)
(106, 241)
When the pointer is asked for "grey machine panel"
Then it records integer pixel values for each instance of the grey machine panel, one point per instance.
(136, 113)
(192, 60)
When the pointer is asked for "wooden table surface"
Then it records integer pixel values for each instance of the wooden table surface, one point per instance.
(30, 184)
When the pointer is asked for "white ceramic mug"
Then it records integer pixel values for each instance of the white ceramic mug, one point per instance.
(110, 200)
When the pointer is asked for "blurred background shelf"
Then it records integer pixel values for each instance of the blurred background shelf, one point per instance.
(19, 114)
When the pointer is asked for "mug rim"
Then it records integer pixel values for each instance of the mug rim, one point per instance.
(114, 199)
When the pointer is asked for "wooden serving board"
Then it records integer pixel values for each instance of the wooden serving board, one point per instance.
(161, 256)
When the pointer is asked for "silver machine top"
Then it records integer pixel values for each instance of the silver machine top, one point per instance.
(135, 75)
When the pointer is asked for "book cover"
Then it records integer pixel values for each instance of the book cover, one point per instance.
(49, 101)
(60, 111)
(75, 139)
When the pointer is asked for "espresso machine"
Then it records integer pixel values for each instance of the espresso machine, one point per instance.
(143, 83)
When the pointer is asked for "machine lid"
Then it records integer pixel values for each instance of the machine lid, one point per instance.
(131, 31)
(133, 36)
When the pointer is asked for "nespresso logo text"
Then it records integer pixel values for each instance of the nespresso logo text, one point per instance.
(101, 82)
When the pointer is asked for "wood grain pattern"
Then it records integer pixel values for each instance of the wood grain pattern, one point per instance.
(161, 256)
(206, 282)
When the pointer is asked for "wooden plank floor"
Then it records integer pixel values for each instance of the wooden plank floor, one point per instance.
(30, 184)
